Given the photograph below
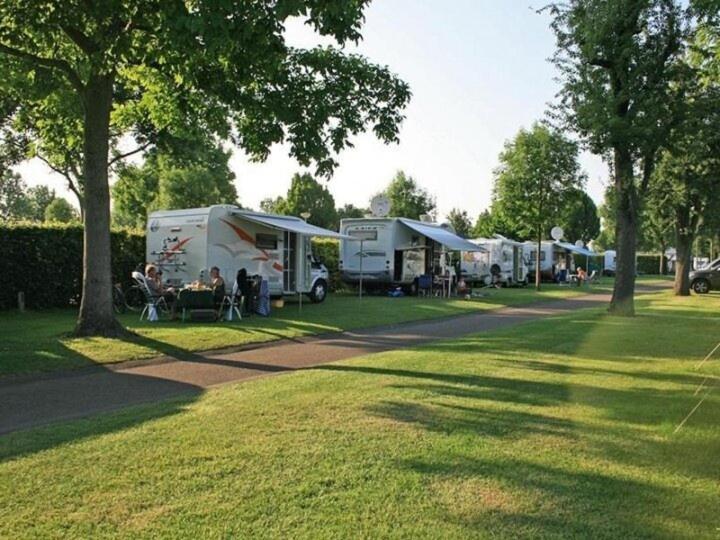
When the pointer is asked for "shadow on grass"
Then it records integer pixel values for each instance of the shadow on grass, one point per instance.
(568, 503)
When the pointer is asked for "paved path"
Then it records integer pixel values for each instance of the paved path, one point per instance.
(38, 401)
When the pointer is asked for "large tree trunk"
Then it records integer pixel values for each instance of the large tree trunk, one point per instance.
(623, 302)
(683, 244)
(96, 316)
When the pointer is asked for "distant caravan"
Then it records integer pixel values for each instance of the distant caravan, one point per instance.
(506, 260)
(387, 252)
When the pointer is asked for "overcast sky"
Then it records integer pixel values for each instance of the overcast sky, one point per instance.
(478, 72)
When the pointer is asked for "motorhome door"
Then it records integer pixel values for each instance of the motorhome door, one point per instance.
(289, 261)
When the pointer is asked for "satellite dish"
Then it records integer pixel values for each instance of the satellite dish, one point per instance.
(579, 243)
(380, 206)
(557, 233)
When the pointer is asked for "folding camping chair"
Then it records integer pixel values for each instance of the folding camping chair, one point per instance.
(593, 277)
(425, 283)
(235, 301)
(153, 302)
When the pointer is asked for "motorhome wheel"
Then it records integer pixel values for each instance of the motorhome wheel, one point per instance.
(318, 291)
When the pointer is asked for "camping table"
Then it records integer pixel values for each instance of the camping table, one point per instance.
(195, 299)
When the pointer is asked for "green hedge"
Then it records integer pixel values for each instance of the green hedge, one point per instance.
(648, 264)
(45, 262)
(328, 251)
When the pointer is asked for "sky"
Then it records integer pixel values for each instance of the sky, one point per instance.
(478, 71)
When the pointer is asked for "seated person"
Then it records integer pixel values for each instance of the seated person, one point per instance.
(217, 284)
(154, 283)
(581, 275)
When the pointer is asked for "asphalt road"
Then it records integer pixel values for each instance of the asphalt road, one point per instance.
(31, 402)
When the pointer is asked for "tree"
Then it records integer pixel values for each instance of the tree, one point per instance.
(407, 199)
(579, 217)
(199, 176)
(538, 174)
(81, 76)
(14, 203)
(351, 211)
(460, 221)
(60, 211)
(274, 206)
(617, 64)
(308, 195)
(658, 220)
(688, 176)
(491, 221)
(40, 197)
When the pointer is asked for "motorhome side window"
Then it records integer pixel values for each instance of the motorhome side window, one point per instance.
(266, 241)
(364, 234)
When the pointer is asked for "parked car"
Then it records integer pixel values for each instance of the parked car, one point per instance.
(707, 278)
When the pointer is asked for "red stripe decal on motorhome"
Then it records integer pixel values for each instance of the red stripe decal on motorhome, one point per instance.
(176, 247)
(240, 232)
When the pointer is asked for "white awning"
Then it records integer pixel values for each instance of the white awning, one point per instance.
(442, 236)
(288, 223)
(576, 249)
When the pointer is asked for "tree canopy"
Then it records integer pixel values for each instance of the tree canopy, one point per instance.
(76, 77)
(538, 177)
(460, 222)
(167, 180)
(18, 202)
(306, 195)
(578, 217)
(61, 211)
(407, 198)
(617, 61)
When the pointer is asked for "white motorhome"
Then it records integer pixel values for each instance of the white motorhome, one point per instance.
(185, 244)
(396, 251)
(506, 260)
(610, 262)
(552, 257)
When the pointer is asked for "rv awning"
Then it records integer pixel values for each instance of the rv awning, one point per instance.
(575, 249)
(288, 223)
(442, 236)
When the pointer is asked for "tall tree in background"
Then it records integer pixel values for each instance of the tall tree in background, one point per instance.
(658, 219)
(537, 174)
(18, 202)
(491, 221)
(60, 211)
(460, 221)
(351, 211)
(308, 195)
(190, 175)
(617, 63)
(407, 199)
(84, 74)
(578, 217)
(688, 176)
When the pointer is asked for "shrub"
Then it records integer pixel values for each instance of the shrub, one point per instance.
(45, 262)
(328, 251)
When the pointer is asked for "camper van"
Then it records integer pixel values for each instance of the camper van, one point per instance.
(506, 260)
(552, 257)
(185, 244)
(387, 251)
(609, 263)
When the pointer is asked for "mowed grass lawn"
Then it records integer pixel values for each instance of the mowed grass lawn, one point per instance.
(559, 428)
(38, 341)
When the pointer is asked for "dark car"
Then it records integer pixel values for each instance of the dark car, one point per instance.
(707, 278)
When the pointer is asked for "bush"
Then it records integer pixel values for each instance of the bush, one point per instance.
(648, 264)
(45, 262)
(327, 250)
